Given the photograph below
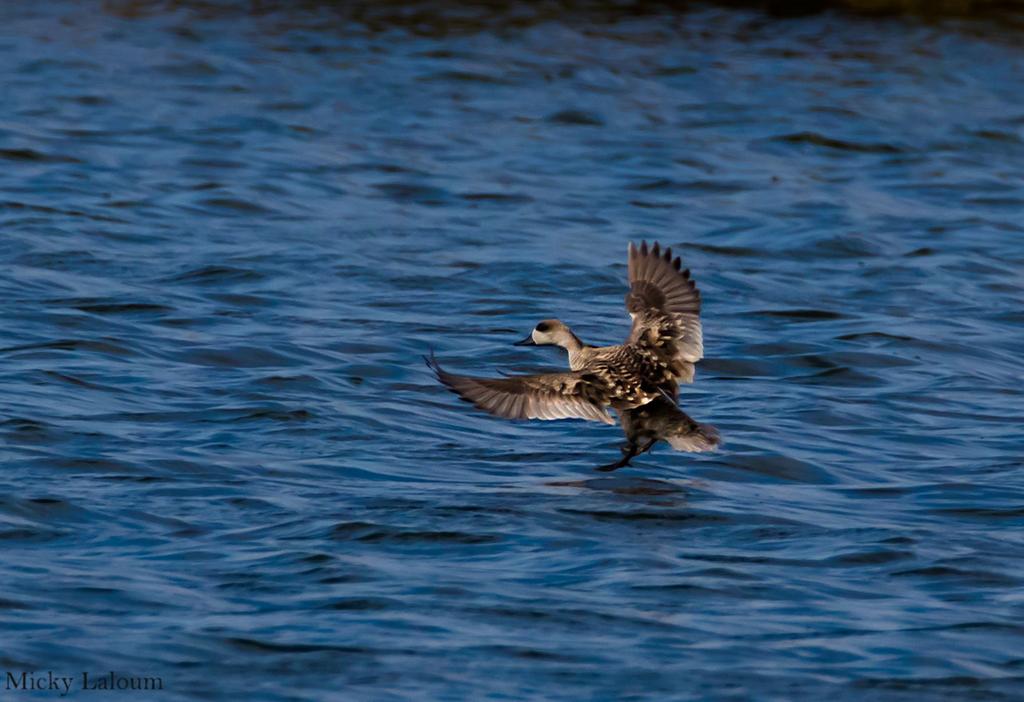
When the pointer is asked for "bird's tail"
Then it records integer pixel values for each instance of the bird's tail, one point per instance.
(662, 420)
(692, 436)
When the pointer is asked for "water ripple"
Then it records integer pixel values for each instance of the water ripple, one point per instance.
(230, 234)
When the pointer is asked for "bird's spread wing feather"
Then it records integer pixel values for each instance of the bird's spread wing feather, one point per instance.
(575, 395)
(665, 305)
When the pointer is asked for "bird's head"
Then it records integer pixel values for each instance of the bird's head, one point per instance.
(550, 332)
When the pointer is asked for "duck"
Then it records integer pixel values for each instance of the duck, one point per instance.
(638, 379)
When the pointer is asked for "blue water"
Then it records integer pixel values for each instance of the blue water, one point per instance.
(227, 236)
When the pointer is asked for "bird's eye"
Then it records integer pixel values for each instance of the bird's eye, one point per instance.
(543, 327)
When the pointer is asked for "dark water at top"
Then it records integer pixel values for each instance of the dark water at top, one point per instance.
(227, 237)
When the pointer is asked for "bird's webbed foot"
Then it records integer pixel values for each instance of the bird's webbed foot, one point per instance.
(628, 451)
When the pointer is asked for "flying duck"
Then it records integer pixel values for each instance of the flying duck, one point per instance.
(638, 379)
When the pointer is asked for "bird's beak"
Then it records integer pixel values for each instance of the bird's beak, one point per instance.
(528, 341)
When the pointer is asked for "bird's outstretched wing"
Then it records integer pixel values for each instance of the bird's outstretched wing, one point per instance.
(574, 395)
(664, 303)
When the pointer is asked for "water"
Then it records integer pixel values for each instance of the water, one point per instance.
(227, 236)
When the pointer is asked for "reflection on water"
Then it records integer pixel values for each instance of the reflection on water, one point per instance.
(229, 234)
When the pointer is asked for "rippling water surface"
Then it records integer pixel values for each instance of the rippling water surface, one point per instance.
(228, 236)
